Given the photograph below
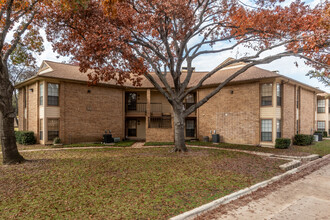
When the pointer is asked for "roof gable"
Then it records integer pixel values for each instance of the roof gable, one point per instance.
(44, 67)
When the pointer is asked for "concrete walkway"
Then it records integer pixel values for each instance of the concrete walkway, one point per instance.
(306, 198)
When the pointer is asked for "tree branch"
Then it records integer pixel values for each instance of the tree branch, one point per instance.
(233, 76)
(18, 37)
(7, 23)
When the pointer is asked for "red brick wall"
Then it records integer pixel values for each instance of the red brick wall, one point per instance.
(289, 109)
(85, 116)
(32, 108)
(307, 113)
(234, 116)
(160, 134)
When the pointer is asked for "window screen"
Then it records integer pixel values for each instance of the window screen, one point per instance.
(266, 130)
(266, 94)
(189, 100)
(278, 129)
(41, 94)
(52, 94)
(41, 130)
(321, 125)
(321, 105)
(279, 94)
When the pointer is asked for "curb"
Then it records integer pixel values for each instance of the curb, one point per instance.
(290, 165)
(216, 203)
(303, 159)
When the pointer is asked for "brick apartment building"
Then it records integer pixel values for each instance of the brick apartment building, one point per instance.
(255, 108)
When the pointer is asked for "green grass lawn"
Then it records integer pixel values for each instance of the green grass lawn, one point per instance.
(321, 148)
(125, 183)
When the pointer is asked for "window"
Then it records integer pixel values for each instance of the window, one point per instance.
(131, 98)
(266, 94)
(53, 128)
(298, 97)
(321, 106)
(278, 128)
(190, 128)
(52, 94)
(41, 94)
(321, 125)
(41, 130)
(266, 129)
(279, 94)
(160, 122)
(189, 100)
(131, 128)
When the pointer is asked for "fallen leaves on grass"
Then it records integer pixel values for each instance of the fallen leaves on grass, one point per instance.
(125, 183)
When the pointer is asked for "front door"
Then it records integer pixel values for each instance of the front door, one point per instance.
(131, 127)
(190, 128)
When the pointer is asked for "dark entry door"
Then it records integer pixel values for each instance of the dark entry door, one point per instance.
(131, 127)
(190, 127)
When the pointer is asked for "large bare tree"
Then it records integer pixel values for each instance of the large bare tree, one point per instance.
(125, 40)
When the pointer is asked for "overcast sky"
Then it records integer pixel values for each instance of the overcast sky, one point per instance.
(285, 66)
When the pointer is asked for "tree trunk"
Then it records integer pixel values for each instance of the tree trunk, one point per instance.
(179, 129)
(10, 153)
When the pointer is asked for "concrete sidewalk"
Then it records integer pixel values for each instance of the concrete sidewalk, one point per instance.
(306, 198)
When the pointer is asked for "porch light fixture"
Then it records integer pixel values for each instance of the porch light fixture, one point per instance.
(31, 90)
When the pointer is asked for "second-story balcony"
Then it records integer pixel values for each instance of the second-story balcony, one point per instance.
(140, 109)
(140, 104)
(136, 109)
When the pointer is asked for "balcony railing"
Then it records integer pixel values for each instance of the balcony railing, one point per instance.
(136, 108)
(155, 108)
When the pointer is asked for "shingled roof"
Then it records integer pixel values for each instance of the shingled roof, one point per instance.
(62, 71)
(71, 72)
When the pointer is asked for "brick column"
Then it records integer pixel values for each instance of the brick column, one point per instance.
(148, 112)
(148, 102)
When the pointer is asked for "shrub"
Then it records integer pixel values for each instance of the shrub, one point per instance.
(57, 140)
(282, 143)
(324, 133)
(25, 137)
(303, 139)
